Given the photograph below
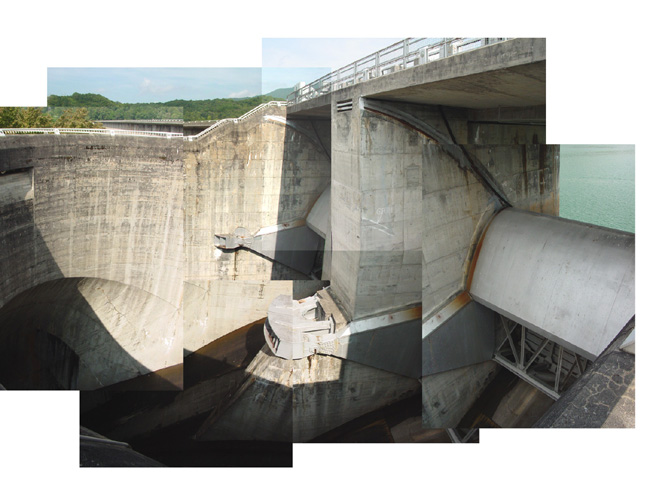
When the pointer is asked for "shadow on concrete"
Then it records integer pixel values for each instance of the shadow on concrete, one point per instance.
(34, 359)
(99, 451)
(53, 326)
(229, 353)
(399, 422)
(163, 425)
(53, 339)
(305, 176)
(496, 408)
(50, 335)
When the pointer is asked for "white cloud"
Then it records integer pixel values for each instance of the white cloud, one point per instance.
(243, 93)
(149, 87)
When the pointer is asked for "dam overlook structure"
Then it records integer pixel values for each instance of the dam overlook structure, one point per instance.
(385, 241)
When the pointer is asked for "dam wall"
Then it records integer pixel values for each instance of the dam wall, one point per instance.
(259, 172)
(112, 209)
(145, 125)
(214, 308)
(394, 162)
(376, 227)
(525, 176)
(95, 222)
(116, 331)
(103, 207)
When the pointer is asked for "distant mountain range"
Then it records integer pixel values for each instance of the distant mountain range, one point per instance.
(281, 94)
(102, 108)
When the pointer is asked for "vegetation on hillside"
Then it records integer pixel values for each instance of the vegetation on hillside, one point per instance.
(81, 110)
(217, 109)
(38, 118)
(75, 118)
(101, 108)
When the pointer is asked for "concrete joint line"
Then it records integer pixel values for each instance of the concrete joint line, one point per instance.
(477, 168)
(405, 119)
(302, 130)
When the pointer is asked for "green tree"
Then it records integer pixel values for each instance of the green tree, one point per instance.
(24, 118)
(33, 118)
(75, 118)
(8, 117)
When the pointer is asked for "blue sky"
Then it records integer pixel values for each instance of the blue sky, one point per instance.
(156, 84)
(285, 62)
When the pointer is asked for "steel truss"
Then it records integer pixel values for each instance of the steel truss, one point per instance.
(548, 366)
(463, 435)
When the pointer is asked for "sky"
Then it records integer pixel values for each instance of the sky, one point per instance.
(285, 62)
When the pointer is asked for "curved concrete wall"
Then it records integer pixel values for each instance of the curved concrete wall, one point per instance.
(527, 175)
(104, 207)
(96, 207)
(214, 308)
(117, 331)
(568, 281)
(413, 193)
(253, 174)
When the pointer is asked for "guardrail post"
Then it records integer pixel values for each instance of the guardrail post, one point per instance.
(448, 49)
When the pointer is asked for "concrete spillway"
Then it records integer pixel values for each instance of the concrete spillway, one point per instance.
(95, 252)
(570, 282)
(545, 297)
(366, 231)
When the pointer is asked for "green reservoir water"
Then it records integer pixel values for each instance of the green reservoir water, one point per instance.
(597, 185)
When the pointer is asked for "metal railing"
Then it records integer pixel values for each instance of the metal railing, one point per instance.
(148, 120)
(114, 132)
(100, 131)
(220, 123)
(408, 53)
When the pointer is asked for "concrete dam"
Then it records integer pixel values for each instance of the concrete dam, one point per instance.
(388, 240)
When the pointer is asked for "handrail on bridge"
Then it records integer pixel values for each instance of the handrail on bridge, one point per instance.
(234, 120)
(148, 120)
(102, 131)
(408, 53)
(113, 132)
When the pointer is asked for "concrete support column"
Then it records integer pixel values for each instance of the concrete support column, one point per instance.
(376, 216)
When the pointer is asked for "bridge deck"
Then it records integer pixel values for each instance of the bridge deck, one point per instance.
(509, 73)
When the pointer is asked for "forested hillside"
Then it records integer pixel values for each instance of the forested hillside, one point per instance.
(38, 118)
(101, 108)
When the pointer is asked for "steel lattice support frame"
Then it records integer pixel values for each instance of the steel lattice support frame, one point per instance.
(546, 365)
(463, 435)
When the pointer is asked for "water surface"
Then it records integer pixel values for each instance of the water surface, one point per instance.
(597, 185)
